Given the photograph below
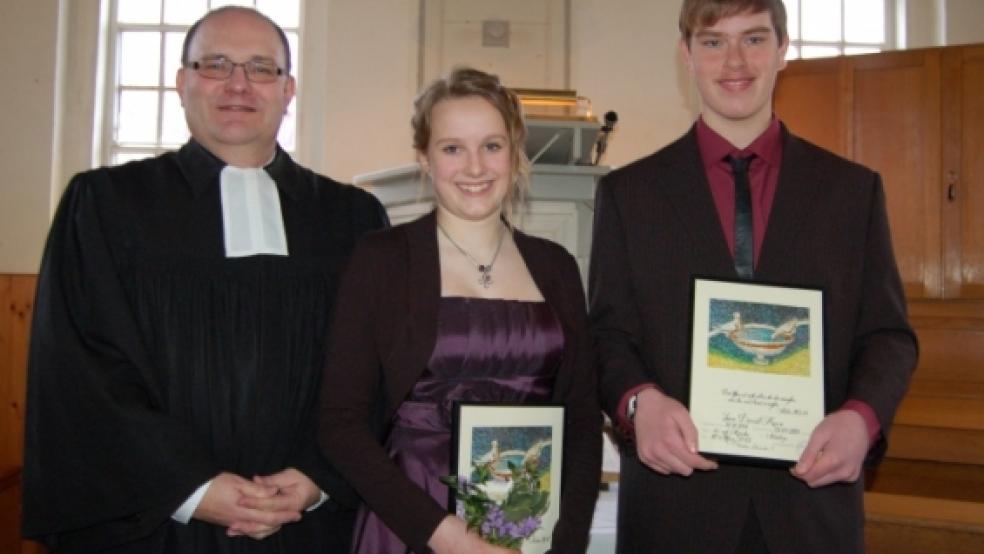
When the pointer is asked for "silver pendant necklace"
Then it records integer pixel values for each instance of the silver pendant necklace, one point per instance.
(484, 270)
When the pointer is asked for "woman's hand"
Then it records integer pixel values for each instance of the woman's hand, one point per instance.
(452, 537)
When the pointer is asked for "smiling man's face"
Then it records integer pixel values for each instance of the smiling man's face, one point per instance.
(735, 63)
(235, 119)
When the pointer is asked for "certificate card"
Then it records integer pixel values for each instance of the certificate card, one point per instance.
(511, 455)
(756, 369)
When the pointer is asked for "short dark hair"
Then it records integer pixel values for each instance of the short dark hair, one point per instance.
(698, 14)
(190, 36)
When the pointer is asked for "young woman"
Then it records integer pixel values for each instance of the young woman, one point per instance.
(457, 305)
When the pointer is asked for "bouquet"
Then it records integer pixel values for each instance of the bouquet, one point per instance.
(503, 511)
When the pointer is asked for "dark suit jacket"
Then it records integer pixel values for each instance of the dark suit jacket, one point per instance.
(656, 226)
(383, 335)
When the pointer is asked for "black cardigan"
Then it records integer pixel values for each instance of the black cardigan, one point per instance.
(383, 334)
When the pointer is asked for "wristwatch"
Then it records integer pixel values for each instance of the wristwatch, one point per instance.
(630, 408)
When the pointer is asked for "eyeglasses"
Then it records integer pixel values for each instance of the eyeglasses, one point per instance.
(221, 68)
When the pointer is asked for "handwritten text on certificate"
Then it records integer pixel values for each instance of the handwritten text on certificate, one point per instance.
(756, 387)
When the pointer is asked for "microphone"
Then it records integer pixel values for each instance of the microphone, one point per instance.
(611, 118)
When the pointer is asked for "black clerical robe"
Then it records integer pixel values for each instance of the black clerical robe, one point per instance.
(156, 362)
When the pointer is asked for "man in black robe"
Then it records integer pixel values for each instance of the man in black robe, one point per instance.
(178, 336)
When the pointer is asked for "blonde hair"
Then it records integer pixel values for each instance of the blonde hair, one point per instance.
(463, 82)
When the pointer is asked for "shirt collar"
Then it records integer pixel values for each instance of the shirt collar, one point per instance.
(201, 169)
(714, 148)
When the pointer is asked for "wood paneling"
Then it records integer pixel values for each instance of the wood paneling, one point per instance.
(970, 177)
(896, 123)
(10, 517)
(10, 540)
(916, 117)
(815, 96)
(16, 301)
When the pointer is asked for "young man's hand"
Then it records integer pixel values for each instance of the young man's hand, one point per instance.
(836, 450)
(666, 438)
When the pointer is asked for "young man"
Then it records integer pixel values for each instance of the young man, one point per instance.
(178, 337)
(815, 220)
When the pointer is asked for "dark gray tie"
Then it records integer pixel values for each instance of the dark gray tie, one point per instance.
(744, 236)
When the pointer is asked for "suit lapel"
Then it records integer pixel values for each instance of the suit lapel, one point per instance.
(799, 183)
(685, 186)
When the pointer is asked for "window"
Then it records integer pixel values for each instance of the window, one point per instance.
(145, 115)
(821, 28)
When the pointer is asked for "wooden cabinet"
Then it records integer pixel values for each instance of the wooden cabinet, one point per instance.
(813, 98)
(963, 167)
(896, 131)
(916, 117)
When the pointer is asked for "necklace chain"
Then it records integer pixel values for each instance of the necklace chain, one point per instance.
(484, 270)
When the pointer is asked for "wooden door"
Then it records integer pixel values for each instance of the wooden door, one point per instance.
(895, 122)
(964, 168)
(813, 99)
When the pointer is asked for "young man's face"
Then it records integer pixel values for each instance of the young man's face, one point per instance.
(734, 63)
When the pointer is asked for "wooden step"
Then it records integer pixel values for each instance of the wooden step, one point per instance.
(945, 404)
(930, 479)
(924, 506)
(897, 524)
(940, 421)
(937, 444)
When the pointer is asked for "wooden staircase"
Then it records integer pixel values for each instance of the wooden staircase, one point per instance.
(927, 496)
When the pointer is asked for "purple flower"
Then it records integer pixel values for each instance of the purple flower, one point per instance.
(496, 525)
(486, 513)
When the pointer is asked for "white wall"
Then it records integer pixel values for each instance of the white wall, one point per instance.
(964, 21)
(27, 100)
(925, 23)
(624, 58)
(360, 79)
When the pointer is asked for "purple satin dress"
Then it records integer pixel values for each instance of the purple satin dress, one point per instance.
(486, 351)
